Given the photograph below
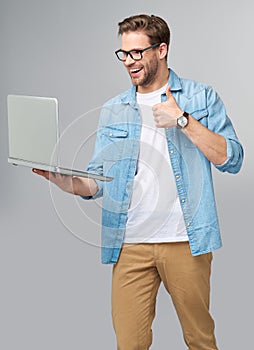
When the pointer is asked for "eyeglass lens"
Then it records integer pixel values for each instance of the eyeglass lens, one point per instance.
(136, 55)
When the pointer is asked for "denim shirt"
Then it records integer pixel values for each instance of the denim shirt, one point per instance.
(116, 154)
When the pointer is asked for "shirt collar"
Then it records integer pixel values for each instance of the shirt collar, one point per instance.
(173, 81)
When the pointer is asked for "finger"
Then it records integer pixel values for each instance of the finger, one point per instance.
(157, 123)
(156, 114)
(38, 171)
(155, 107)
(41, 173)
(52, 175)
(168, 92)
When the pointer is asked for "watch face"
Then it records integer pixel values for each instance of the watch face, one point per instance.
(182, 121)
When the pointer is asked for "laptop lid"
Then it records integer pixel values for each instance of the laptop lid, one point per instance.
(34, 135)
(33, 129)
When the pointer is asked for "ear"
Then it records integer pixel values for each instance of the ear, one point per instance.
(163, 50)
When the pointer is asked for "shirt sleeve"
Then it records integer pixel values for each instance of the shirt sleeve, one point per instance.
(95, 166)
(219, 122)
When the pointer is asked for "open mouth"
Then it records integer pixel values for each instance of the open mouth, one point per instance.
(135, 71)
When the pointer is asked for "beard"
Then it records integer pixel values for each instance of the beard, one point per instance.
(149, 74)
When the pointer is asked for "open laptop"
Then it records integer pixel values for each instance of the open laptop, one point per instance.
(34, 135)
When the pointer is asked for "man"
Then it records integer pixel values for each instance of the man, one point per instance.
(159, 221)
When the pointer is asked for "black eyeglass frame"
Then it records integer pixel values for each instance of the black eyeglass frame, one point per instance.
(137, 51)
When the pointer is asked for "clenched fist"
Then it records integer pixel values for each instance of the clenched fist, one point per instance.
(166, 113)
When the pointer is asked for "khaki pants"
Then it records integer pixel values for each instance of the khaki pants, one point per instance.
(136, 280)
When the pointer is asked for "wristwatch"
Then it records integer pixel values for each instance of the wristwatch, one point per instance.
(183, 120)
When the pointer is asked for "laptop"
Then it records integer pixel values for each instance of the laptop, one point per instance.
(34, 135)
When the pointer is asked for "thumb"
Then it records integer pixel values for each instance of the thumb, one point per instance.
(168, 92)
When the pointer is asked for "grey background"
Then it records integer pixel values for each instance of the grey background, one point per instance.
(54, 292)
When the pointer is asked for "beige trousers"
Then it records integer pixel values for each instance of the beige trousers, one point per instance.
(135, 283)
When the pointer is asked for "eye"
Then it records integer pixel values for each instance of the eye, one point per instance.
(135, 52)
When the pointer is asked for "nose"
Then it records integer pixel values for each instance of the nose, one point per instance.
(129, 61)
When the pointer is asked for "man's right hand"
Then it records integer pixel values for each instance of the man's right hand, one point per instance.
(71, 184)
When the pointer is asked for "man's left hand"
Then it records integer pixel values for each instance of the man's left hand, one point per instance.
(166, 113)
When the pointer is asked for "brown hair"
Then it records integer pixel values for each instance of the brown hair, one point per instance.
(153, 26)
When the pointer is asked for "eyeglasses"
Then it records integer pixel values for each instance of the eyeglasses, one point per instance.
(136, 55)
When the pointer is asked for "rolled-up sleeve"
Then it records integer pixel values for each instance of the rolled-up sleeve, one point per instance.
(219, 122)
(234, 157)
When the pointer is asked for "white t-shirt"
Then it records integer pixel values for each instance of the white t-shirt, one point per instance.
(154, 215)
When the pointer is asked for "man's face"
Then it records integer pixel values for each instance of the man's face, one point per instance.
(143, 73)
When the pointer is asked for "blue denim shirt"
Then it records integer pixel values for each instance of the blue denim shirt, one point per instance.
(116, 154)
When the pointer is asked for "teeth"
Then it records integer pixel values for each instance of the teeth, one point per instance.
(135, 70)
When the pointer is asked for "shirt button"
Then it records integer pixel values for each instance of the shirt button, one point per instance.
(110, 134)
(178, 177)
(171, 151)
(188, 224)
(183, 200)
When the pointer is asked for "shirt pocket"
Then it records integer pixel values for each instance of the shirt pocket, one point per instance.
(197, 108)
(115, 142)
(196, 105)
(113, 133)
(200, 115)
